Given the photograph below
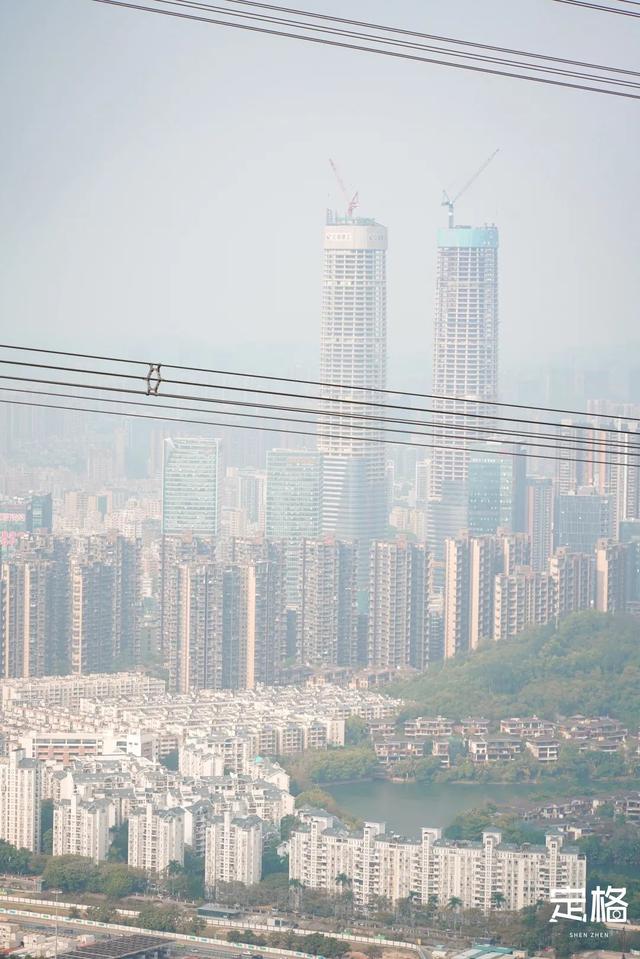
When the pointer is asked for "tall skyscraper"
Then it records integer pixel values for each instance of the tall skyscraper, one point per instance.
(294, 507)
(353, 352)
(465, 365)
(190, 486)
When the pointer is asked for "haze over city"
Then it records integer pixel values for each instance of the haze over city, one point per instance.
(152, 167)
(319, 480)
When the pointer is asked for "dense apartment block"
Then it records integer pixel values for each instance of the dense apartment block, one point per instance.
(156, 838)
(328, 619)
(381, 864)
(398, 605)
(81, 828)
(20, 795)
(233, 850)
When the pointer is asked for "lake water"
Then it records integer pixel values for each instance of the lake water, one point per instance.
(406, 807)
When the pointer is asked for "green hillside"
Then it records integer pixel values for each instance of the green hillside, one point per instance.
(589, 665)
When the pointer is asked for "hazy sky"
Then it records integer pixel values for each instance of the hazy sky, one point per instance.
(163, 184)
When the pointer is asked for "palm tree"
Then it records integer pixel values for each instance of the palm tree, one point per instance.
(296, 887)
(497, 899)
(454, 904)
(343, 881)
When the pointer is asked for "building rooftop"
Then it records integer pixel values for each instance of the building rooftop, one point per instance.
(120, 947)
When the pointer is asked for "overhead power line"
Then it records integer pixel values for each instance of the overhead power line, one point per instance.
(446, 414)
(350, 388)
(277, 429)
(603, 8)
(362, 425)
(324, 35)
(443, 431)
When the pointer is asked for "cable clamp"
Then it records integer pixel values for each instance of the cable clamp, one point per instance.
(154, 379)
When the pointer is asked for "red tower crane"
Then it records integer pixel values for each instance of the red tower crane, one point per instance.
(354, 201)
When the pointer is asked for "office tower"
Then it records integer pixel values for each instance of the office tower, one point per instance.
(156, 838)
(496, 493)
(611, 576)
(190, 486)
(27, 617)
(582, 518)
(398, 629)
(573, 575)
(328, 620)
(81, 827)
(526, 597)
(233, 851)
(294, 507)
(539, 517)
(39, 516)
(353, 352)
(465, 366)
(20, 795)
(471, 564)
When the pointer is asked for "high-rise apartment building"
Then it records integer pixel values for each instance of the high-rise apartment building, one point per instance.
(398, 627)
(190, 486)
(573, 575)
(233, 850)
(156, 838)
(471, 564)
(539, 520)
(26, 617)
(81, 827)
(525, 597)
(611, 576)
(20, 796)
(382, 864)
(353, 352)
(328, 621)
(465, 366)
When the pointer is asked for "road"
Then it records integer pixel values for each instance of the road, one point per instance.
(195, 944)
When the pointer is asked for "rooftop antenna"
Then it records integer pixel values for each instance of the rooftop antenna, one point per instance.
(449, 203)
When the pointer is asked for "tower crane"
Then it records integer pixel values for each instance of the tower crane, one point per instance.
(354, 201)
(449, 203)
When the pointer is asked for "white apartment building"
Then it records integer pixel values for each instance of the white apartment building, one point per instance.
(81, 828)
(392, 866)
(156, 838)
(20, 793)
(233, 850)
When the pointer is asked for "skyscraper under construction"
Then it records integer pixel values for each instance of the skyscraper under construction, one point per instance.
(353, 352)
(465, 366)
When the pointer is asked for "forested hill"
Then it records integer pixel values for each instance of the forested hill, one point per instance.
(589, 665)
